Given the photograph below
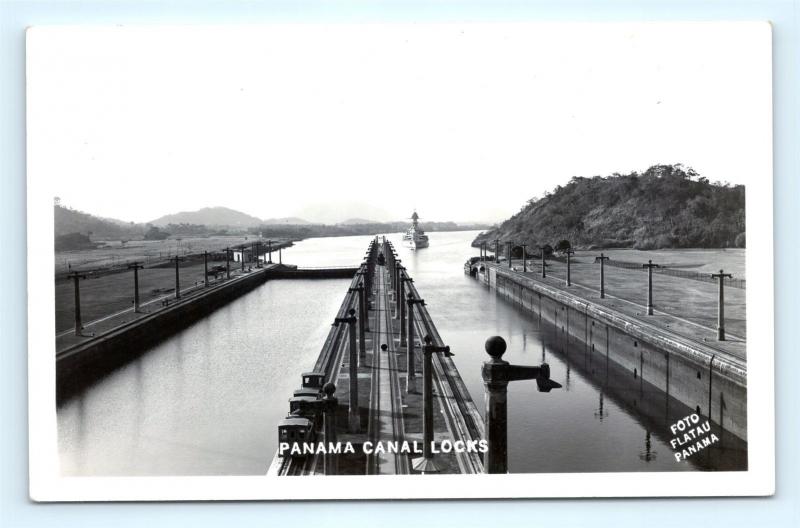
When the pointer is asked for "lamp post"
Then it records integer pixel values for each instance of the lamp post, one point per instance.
(602, 259)
(411, 381)
(496, 375)
(721, 308)
(228, 262)
(544, 264)
(76, 277)
(329, 405)
(177, 260)
(426, 463)
(135, 266)
(569, 252)
(650, 267)
(524, 259)
(353, 417)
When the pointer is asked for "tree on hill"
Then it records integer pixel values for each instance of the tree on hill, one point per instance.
(154, 233)
(73, 242)
(667, 206)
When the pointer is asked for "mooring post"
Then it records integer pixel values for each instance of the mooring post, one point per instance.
(602, 258)
(411, 375)
(135, 266)
(650, 267)
(353, 418)
(329, 405)
(544, 264)
(496, 375)
(569, 252)
(177, 260)
(426, 463)
(721, 308)
(76, 277)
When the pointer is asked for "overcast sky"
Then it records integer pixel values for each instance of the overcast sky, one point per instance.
(461, 122)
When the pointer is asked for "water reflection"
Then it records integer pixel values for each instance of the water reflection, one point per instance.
(207, 401)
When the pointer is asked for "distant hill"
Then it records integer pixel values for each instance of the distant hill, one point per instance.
(667, 206)
(357, 221)
(69, 221)
(289, 220)
(209, 216)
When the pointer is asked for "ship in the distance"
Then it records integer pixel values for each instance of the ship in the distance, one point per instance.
(415, 237)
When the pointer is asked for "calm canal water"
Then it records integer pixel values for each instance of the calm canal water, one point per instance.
(206, 402)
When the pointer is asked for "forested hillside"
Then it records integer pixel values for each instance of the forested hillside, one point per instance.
(667, 206)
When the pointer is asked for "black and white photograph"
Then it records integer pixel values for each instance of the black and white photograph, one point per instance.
(358, 261)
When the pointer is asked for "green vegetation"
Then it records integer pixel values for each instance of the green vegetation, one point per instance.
(667, 206)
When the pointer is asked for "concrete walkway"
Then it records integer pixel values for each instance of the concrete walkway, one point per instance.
(682, 306)
(98, 327)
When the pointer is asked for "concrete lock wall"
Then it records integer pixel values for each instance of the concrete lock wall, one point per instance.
(82, 364)
(704, 380)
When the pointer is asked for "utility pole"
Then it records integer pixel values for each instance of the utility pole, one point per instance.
(269, 250)
(228, 262)
(721, 309)
(497, 250)
(602, 259)
(569, 252)
(510, 247)
(135, 266)
(650, 267)
(205, 269)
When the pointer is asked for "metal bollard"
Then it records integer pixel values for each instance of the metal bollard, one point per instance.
(496, 375)
(426, 463)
